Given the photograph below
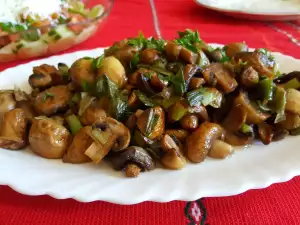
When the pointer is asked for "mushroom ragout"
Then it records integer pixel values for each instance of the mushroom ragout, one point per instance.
(150, 100)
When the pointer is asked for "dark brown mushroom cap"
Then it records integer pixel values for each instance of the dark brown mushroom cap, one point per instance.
(135, 155)
(41, 77)
(52, 100)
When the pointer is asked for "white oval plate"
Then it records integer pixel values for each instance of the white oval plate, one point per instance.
(280, 10)
(256, 167)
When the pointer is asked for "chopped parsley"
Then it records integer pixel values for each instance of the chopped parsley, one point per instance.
(97, 63)
(188, 38)
(134, 61)
(48, 95)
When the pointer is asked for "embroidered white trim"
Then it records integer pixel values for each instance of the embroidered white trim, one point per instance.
(289, 35)
(155, 19)
(295, 26)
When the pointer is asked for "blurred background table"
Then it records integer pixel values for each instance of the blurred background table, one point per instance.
(277, 204)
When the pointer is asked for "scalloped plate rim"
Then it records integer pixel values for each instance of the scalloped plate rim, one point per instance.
(283, 174)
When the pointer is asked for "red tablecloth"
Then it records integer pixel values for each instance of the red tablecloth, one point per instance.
(277, 204)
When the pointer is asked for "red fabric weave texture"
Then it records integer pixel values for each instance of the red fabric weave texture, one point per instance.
(278, 204)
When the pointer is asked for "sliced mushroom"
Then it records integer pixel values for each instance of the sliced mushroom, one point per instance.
(7, 101)
(201, 112)
(152, 122)
(180, 134)
(133, 101)
(172, 51)
(27, 108)
(293, 101)
(265, 133)
(41, 77)
(292, 121)
(49, 139)
(196, 82)
(149, 56)
(81, 72)
(254, 114)
(91, 114)
(234, 48)
(217, 73)
(172, 157)
(238, 139)
(156, 83)
(81, 142)
(189, 71)
(258, 60)
(114, 69)
(220, 150)
(189, 122)
(117, 128)
(200, 141)
(52, 100)
(126, 54)
(132, 159)
(249, 77)
(13, 129)
(235, 119)
(188, 56)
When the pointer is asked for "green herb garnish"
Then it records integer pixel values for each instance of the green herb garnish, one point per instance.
(140, 41)
(134, 61)
(48, 95)
(158, 44)
(97, 63)
(179, 82)
(151, 122)
(144, 99)
(204, 96)
(187, 39)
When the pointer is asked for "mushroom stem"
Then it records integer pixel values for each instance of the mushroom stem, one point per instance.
(132, 170)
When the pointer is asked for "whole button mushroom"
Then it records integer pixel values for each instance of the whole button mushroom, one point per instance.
(81, 72)
(152, 122)
(48, 138)
(200, 141)
(13, 129)
(114, 69)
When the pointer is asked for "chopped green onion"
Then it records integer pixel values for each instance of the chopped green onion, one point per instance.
(156, 69)
(100, 136)
(144, 99)
(97, 63)
(151, 122)
(179, 82)
(205, 96)
(133, 63)
(73, 123)
(279, 103)
(246, 129)
(85, 103)
(266, 88)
